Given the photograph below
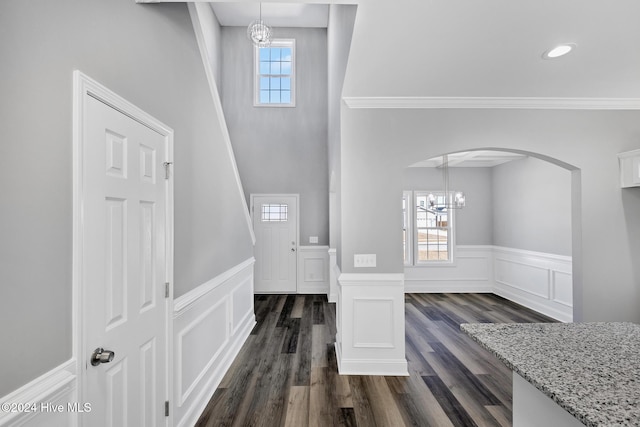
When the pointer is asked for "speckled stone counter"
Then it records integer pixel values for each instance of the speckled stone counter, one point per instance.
(592, 370)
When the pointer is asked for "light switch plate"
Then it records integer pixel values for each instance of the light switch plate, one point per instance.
(364, 260)
(313, 239)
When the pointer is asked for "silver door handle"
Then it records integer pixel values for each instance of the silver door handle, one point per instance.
(101, 356)
(293, 249)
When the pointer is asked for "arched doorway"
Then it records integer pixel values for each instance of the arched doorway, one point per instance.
(518, 235)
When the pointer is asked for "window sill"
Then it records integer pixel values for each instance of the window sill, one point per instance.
(438, 264)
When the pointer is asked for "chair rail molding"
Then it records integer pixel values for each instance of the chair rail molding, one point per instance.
(30, 404)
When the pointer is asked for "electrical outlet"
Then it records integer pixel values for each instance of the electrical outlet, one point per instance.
(364, 260)
(313, 239)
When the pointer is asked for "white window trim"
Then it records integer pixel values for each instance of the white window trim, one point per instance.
(256, 73)
(412, 259)
(408, 217)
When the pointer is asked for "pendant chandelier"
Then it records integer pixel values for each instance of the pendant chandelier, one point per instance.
(452, 200)
(259, 33)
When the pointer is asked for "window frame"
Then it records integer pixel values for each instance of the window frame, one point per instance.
(407, 227)
(287, 43)
(411, 248)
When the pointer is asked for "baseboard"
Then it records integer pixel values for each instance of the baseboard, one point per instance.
(478, 286)
(388, 367)
(543, 307)
(56, 387)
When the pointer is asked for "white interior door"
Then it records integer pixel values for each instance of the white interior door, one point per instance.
(275, 223)
(124, 269)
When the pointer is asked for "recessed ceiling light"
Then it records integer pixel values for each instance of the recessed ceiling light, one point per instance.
(558, 51)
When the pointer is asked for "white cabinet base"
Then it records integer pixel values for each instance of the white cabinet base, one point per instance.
(532, 408)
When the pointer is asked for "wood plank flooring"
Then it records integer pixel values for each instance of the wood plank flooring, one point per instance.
(286, 373)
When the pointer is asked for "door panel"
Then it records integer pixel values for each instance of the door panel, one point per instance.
(275, 222)
(124, 265)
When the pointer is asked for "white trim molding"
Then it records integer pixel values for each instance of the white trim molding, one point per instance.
(182, 303)
(370, 325)
(539, 281)
(211, 323)
(529, 103)
(472, 272)
(35, 403)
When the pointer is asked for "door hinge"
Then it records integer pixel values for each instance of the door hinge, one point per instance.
(166, 408)
(167, 169)
(166, 289)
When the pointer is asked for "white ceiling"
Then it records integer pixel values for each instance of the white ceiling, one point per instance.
(493, 48)
(472, 159)
(273, 14)
(474, 49)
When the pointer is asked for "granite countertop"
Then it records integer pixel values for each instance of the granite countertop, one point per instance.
(592, 370)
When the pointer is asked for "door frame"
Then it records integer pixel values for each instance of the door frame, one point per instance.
(83, 88)
(252, 197)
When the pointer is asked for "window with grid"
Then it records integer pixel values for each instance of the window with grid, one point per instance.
(275, 74)
(274, 212)
(428, 229)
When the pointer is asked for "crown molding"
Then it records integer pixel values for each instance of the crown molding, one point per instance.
(494, 103)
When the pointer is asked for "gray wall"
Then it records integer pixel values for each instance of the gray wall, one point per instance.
(339, 32)
(474, 224)
(532, 206)
(282, 150)
(147, 54)
(378, 144)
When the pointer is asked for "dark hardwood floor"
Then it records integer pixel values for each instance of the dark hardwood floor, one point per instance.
(286, 373)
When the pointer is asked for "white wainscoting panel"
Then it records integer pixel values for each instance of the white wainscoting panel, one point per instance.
(370, 325)
(540, 281)
(210, 325)
(48, 393)
(313, 270)
(471, 271)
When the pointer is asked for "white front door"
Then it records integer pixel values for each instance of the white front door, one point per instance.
(275, 222)
(124, 269)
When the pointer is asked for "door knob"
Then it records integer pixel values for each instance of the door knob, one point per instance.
(101, 356)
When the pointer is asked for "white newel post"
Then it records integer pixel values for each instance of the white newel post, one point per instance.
(370, 325)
